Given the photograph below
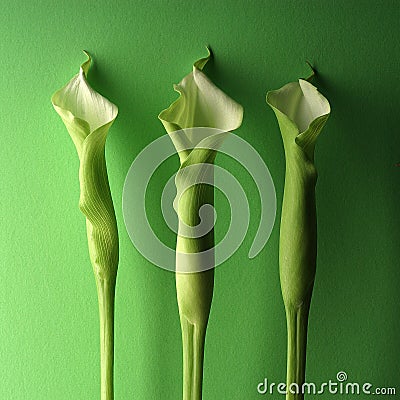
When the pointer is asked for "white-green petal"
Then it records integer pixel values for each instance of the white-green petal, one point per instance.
(300, 102)
(82, 109)
(200, 104)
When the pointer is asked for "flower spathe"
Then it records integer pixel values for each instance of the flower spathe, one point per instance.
(79, 105)
(88, 116)
(301, 112)
(200, 104)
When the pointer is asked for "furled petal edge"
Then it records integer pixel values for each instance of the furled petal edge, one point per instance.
(82, 109)
(200, 104)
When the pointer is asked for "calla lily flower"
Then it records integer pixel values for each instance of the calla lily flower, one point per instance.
(200, 105)
(88, 116)
(302, 113)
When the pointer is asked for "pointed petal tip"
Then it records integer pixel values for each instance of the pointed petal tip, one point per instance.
(86, 65)
(313, 71)
(199, 64)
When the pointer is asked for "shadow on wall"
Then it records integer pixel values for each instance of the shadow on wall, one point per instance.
(154, 323)
(359, 222)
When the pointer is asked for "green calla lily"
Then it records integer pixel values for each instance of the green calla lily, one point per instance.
(201, 104)
(88, 116)
(302, 113)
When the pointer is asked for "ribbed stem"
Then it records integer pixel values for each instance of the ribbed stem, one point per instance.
(297, 322)
(106, 296)
(193, 337)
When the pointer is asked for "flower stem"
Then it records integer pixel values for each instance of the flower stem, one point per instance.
(194, 293)
(297, 323)
(106, 296)
(194, 289)
(193, 337)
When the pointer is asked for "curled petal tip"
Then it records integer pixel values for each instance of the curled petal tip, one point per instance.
(313, 71)
(199, 64)
(86, 65)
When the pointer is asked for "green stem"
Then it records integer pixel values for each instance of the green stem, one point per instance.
(194, 290)
(106, 296)
(297, 322)
(297, 261)
(194, 294)
(193, 337)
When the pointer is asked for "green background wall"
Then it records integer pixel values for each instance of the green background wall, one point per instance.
(49, 345)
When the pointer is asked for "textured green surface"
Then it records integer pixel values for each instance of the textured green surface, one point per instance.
(48, 330)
